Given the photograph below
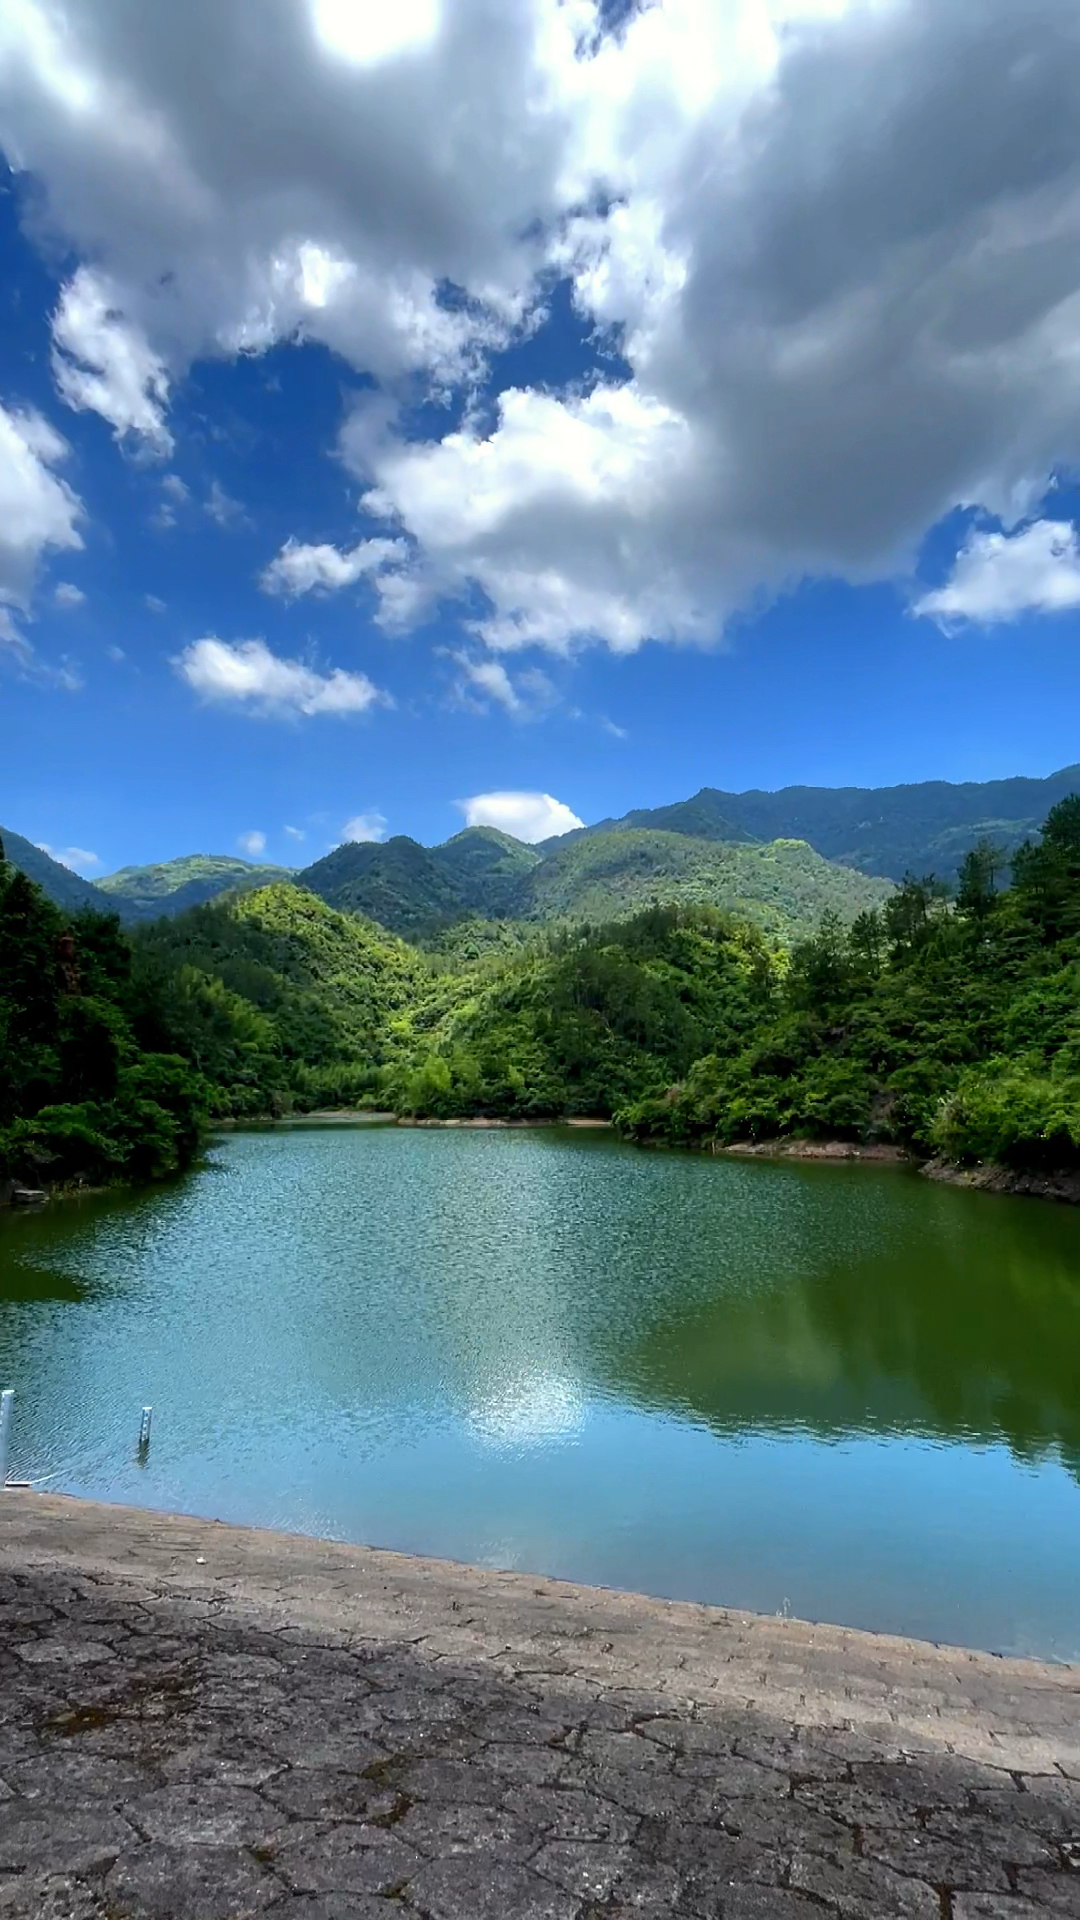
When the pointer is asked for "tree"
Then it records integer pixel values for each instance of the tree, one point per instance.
(1046, 875)
(977, 891)
(911, 914)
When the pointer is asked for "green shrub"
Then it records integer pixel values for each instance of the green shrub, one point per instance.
(1011, 1113)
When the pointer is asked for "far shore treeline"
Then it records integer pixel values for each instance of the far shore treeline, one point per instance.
(945, 1022)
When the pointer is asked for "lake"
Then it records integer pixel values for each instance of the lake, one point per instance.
(838, 1391)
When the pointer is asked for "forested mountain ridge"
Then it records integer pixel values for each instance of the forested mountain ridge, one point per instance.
(418, 891)
(783, 887)
(64, 888)
(396, 882)
(172, 886)
(948, 1027)
(924, 827)
(490, 869)
(88, 1091)
(943, 1025)
(279, 1000)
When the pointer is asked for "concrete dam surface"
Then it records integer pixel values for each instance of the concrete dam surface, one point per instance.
(201, 1722)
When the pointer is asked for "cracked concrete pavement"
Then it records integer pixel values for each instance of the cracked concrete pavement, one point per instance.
(199, 1722)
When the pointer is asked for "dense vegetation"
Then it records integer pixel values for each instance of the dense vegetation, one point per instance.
(784, 887)
(144, 893)
(925, 827)
(85, 1092)
(280, 1002)
(580, 1021)
(951, 1027)
(946, 1023)
(65, 889)
(418, 891)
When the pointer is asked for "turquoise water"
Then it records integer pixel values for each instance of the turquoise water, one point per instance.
(838, 1391)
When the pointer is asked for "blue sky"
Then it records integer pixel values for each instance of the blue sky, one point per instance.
(355, 475)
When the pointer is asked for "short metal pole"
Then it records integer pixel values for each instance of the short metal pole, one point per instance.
(7, 1402)
(144, 1429)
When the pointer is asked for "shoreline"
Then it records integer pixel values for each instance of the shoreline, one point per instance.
(482, 1123)
(832, 1150)
(318, 1117)
(210, 1720)
(323, 1580)
(1060, 1187)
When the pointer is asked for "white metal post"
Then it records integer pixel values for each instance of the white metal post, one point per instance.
(7, 1402)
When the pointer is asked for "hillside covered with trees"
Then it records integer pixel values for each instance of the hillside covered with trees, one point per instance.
(948, 1024)
(420, 892)
(91, 1088)
(67, 890)
(949, 1027)
(172, 886)
(417, 891)
(925, 826)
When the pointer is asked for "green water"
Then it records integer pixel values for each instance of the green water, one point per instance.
(840, 1391)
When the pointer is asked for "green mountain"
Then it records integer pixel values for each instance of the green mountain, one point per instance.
(951, 1028)
(926, 827)
(279, 1000)
(764, 854)
(418, 892)
(579, 1021)
(487, 867)
(172, 886)
(86, 1097)
(397, 882)
(64, 888)
(784, 887)
(947, 1026)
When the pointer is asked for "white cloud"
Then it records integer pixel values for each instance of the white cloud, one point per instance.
(367, 33)
(299, 568)
(295, 833)
(103, 362)
(537, 511)
(116, 654)
(364, 826)
(152, 603)
(528, 816)
(222, 508)
(483, 683)
(77, 858)
(253, 844)
(848, 298)
(68, 595)
(490, 678)
(999, 576)
(172, 484)
(38, 511)
(247, 674)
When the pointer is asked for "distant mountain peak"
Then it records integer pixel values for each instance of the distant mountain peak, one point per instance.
(171, 886)
(481, 872)
(67, 889)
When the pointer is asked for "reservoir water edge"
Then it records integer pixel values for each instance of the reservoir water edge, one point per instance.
(837, 1391)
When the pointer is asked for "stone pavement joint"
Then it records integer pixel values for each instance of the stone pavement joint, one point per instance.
(200, 1722)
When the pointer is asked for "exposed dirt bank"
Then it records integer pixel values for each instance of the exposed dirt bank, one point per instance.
(1063, 1185)
(484, 1125)
(813, 1150)
(322, 1117)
